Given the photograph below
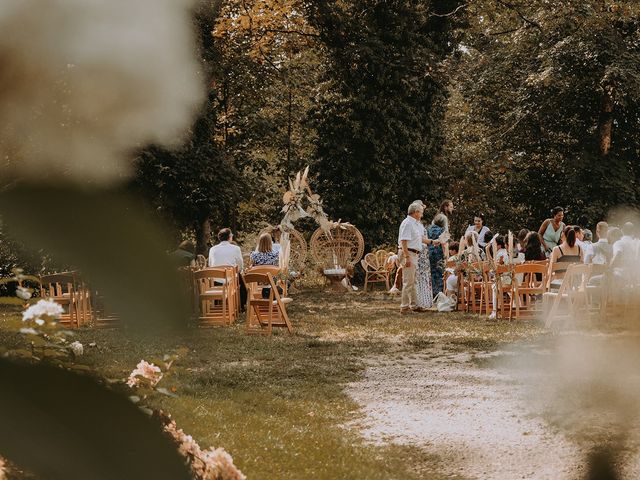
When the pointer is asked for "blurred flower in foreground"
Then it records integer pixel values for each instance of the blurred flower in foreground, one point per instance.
(85, 82)
(41, 311)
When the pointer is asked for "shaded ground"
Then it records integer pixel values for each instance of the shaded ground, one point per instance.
(430, 390)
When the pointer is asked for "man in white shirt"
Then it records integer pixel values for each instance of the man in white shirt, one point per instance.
(625, 249)
(410, 243)
(599, 253)
(225, 253)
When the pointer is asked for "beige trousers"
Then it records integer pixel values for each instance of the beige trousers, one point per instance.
(409, 297)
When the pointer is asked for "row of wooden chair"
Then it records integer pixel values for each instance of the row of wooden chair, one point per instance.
(81, 304)
(536, 289)
(216, 298)
(519, 288)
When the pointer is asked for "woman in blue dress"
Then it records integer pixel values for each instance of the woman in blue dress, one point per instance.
(436, 252)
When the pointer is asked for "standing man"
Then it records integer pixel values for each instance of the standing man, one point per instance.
(410, 240)
(446, 208)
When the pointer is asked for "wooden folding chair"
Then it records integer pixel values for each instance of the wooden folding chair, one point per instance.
(63, 289)
(555, 274)
(264, 313)
(274, 271)
(530, 283)
(215, 296)
(573, 292)
(503, 288)
(376, 268)
(477, 293)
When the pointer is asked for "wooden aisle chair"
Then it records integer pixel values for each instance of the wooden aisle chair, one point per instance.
(376, 268)
(477, 293)
(449, 269)
(530, 283)
(274, 271)
(215, 296)
(462, 287)
(503, 289)
(553, 275)
(599, 294)
(573, 292)
(67, 291)
(264, 313)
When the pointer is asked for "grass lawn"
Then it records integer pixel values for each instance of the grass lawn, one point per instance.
(277, 404)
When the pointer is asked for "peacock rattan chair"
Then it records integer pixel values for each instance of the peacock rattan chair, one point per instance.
(336, 251)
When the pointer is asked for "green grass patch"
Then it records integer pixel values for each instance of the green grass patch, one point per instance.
(278, 404)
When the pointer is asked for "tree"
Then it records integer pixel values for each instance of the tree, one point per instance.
(196, 184)
(544, 110)
(379, 115)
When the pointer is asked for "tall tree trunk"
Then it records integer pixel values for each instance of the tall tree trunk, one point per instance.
(605, 127)
(203, 236)
(289, 128)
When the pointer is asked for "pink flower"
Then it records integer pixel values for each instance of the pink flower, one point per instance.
(147, 371)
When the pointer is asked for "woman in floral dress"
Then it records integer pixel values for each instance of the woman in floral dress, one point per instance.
(436, 252)
(424, 291)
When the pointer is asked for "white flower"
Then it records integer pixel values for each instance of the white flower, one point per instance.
(44, 309)
(77, 348)
(39, 321)
(3, 471)
(23, 293)
(28, 331)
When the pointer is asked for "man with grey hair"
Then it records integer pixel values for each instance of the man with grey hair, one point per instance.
(410, 241)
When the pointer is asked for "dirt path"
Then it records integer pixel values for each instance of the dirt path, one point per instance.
(475, 411)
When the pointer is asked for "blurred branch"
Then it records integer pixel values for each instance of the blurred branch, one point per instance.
(460, 7)
(513, 7)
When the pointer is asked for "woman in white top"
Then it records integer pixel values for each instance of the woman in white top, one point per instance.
(480, 229)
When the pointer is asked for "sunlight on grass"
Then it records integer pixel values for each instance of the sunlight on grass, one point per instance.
(278, 404)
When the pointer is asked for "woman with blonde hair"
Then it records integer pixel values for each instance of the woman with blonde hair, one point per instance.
(264, 254)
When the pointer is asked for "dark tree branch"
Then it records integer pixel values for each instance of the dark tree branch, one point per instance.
(296, 32)
(464, 5)
(513, 7)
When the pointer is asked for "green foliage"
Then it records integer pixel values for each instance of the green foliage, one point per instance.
(527, 117)
(379, 117)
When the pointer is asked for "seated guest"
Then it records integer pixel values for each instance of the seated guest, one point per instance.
(588, 236)
(264, 253)
(567, 252)
(479, 228)
(454, 250)
(225, 253)
(533, 249)
(521, 240)
(613, 236)
(580, 238)
(184, 255)
(601, 252)
(501, 258)
(624, 250)
(488, 247)
(276, 234)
